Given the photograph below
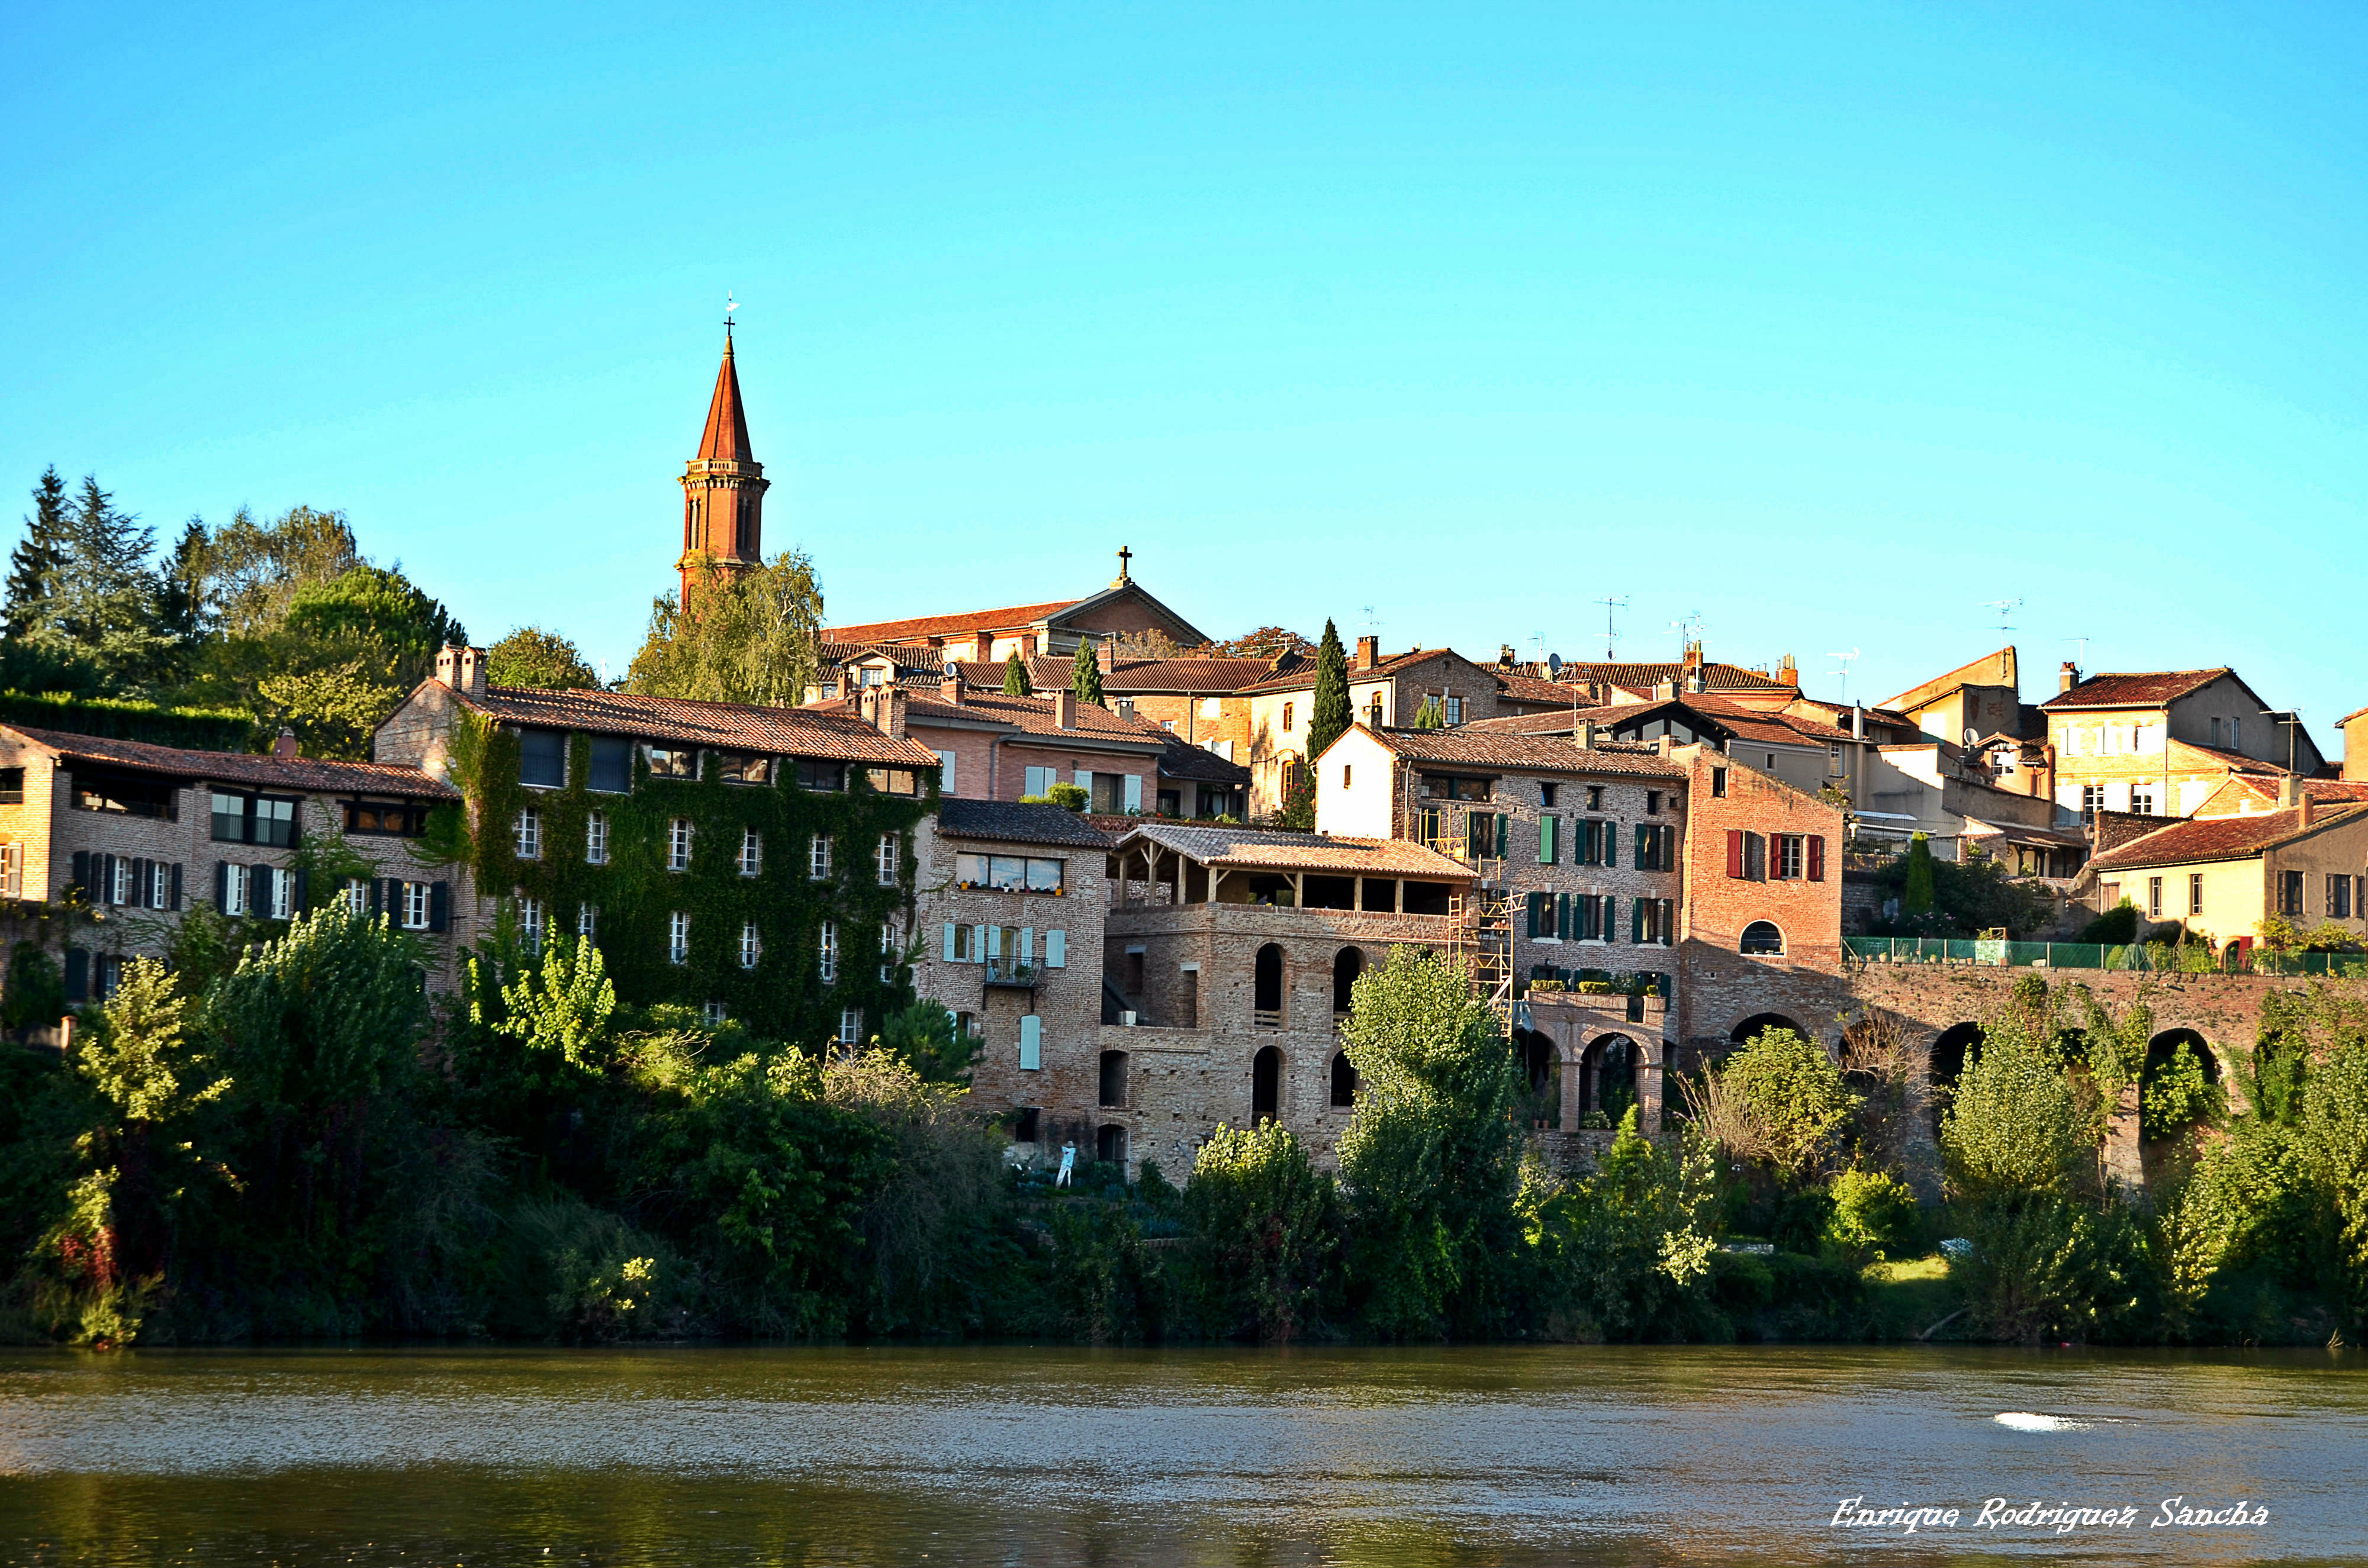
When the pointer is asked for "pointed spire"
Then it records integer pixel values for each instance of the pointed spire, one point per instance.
(726, 437)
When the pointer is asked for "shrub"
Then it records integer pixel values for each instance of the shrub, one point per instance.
(2118, 926)
(1266, 1241)
(1790, 1105)
(2176, 1095)
(2013, 1124)
(1873, 1215)
(2044, 1267)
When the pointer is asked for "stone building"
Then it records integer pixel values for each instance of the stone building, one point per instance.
(1983, 697)
(1010, 905)
(2160, 743)
(1235, 950)
(131, 837)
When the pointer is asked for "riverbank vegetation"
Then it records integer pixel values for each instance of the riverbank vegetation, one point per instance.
(289, 1140)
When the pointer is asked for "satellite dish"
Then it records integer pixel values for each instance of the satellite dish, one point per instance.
(1973, 736)
(1553, 663)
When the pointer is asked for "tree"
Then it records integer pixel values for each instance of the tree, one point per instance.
(100, 606)
(334, 711)
(1430, 715)
(1015, 677)
(748, 636)
(1331, 716)
(1265, 1236)
(928, 1037)
(1265, 642)
(382, 610)
(562, 1008)
(532, 656)
(1085, 672)
(179, 601)
(33, 567)
(2013, 1123)
(1432, 1155)
(1792, 1095)
(1916, 894)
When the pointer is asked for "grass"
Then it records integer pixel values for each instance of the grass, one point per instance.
(1910, 1295)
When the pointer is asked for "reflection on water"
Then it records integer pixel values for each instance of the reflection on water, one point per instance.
(1066, 1456)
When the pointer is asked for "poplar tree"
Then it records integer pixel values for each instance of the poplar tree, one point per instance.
(1086, 674)
(1015, 677)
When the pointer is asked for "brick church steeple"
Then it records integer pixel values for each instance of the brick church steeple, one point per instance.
(722, 488)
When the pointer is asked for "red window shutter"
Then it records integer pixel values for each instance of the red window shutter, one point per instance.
(1818, 857)
(1735, 852)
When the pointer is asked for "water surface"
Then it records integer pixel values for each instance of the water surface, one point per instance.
(1035, 1456)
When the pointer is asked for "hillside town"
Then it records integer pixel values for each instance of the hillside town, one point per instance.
(1144, 869)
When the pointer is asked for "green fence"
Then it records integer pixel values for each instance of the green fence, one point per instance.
(2159, 956)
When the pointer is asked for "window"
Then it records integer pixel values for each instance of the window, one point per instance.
(739, 767)
(1439, 787)
(1347, 774)
(12, 786)
(529, 830)
(1656, 921)
(1763, 939)
(962, 943)
(1656, 847)
(1652, 802)
(2195, 893)
(1009, 873)
(1595, 797)
(1718, 783)
(387, 819)
(542, 758)
(119, 881)
(714, 1014)
(1372, 712)
(945, 773)
(230, 889)
(2339, 895)
(1483, 836)
(2290, 892)
(679, 937)
(595, 839)
(1545, 794)
(1785, 864)
(886, 860)
(2154, 898)
(355, 895)
(751, 947)
(668, 762)
(679, 845)
(587, 922)
(419, 905)
(612, 767)
(888, 954)
(2236, 734)
(821, 775)
(2092, 801)
(1286, 718)
(752, 852)
(1549, 840)
(2142, 802)
(818, 857)
(126, 796)
(529, 913)
(2216, 730)
(828, 948)
(1453, 709)
(850, 1025)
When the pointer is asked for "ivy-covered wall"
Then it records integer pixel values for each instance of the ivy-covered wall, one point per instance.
(783, 996)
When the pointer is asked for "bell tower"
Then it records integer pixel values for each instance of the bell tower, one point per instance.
(722, 488)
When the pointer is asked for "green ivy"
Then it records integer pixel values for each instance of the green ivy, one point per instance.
(783, 996)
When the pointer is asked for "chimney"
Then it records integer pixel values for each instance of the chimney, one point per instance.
(1107, 655)
(1064, 709)
(950, 690)
(983, 647)
(1858, 721)
(2302, 806)
(2067, 677)
(892, 712)
(1664, 691)
(1788, 672)
(1666, 744)
(2290, 792)
(1586, 735)
(462, 669)
(284, 745)
(1505, 655)
(1369, 652)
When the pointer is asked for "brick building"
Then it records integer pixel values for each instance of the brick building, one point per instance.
(1052, 627)
(143, 833)
(1010, 906)
(723, 489)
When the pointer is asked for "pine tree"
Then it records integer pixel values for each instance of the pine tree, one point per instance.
(1086, 674)
(1015, 677)
(101, 607)
(33, 568)
(179, 587)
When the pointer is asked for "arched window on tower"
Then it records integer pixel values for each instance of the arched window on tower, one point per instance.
(747, 542)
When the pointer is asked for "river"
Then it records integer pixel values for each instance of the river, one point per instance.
(1034, 1456)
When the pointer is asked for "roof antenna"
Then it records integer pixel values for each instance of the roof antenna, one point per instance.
(1609, 605)
(2003, 607)
(1845, 661)
(2079, 650)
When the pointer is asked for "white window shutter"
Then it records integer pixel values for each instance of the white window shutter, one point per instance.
(1056, 950)
(950, 941)
(1028, 944)
(1031, 1043)
(1134, 791)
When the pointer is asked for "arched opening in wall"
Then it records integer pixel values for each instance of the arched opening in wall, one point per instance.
(1542, 1070)
(1753, 1027)
(1947, 1064)
(1763, 939)
(2178, 1086)
(1265, 1086)
(1346, 965)
(1266, 991)
(1607, 1082)
(1344, 1082)
(1113, 1083)
(1110, 1144)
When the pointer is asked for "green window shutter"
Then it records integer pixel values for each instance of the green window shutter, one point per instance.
(1562, 914)
(1547, 845)
(1533, 916)
(1610, 845)
(1644, 845)
(1636, 922)
(1503, 831)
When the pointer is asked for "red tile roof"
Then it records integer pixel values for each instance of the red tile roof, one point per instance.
(315, 775)
(1489, 745)
(2332, 790)
(1031, 716)
(1184, 675)
(1530, 688)
(1301, 676)
(1013, 617)
(2220, 838)
(736, 726)
(725, 439)
(1745, 724)
(2145, 689)
(1636, 677)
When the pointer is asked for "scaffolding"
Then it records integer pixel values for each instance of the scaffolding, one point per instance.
(1481, 941)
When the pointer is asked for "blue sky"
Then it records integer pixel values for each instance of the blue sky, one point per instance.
(1827, 324)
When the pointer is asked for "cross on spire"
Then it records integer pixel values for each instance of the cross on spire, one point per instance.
(1124, 557)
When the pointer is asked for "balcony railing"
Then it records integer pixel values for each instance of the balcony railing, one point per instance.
(1010, 971)
(2162, 957)
(1266, 1017)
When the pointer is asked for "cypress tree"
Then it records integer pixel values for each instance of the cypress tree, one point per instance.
(1915, 892)
(33, 567)
(1085, 674)
(1332, 716)
(1015, 677)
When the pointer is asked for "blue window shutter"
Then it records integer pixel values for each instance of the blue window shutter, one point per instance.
(1056, 950)
(950, 941)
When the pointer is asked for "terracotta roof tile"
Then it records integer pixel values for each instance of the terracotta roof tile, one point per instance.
(780, 731)
(1016, 824)
(1012, 617)
(1251, 848)
(1301, 676)
(1644, 676)
(1532, 689)
(1185, 674)
(1476, 746)
(315, 775)
(2143, 689)
(2219, 838)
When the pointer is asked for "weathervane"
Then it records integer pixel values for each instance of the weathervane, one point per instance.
(730, 305)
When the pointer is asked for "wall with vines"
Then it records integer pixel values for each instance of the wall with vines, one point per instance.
(783, 996)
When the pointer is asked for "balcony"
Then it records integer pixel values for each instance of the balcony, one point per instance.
(1017, 974)
(1266, 1017)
